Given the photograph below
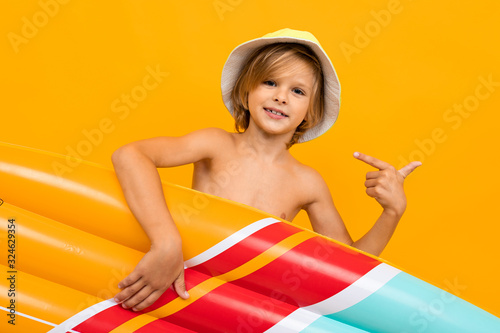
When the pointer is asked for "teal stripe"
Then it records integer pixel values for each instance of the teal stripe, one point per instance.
(409, 305)
(324, 325)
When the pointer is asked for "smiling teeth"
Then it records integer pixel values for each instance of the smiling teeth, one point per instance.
(277, 113)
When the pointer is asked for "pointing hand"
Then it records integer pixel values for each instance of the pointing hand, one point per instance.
(386, 184)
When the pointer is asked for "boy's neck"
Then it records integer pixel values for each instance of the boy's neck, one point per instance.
(267, 147)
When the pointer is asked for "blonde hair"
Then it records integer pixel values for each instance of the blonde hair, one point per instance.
(270, 60)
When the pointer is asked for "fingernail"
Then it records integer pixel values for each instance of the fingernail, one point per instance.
(186, 294)
(356, 154)
(117, 300)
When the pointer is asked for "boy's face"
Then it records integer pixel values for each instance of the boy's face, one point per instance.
(280, 103)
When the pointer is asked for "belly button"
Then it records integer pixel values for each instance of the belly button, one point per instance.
(283, 216)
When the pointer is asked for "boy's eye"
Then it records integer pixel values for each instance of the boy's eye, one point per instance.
(298, 91)
(269, 83)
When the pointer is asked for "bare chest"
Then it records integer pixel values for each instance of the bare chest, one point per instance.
(269, 188)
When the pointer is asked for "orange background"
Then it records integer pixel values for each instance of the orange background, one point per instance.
(414, 78)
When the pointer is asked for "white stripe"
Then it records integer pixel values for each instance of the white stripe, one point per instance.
(356, 292)
(295, 321)
(230, 241)
(202, 257)
(353, 294)
(35, 319)
(82, 316)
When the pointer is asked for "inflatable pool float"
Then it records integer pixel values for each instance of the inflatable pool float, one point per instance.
(71, 238)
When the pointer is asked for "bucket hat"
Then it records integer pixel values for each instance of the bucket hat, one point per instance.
(241, 54)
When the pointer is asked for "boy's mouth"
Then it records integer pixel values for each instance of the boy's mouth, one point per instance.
(276, 112)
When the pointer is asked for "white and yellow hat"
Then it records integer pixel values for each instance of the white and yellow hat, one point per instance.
(240, 55)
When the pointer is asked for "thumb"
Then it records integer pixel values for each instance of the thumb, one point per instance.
(407, 169)
(180, 286)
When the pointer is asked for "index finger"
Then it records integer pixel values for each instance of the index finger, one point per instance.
(374, 162)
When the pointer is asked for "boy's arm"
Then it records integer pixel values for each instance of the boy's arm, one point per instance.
(135, 165)
(322, 213)
(386, 186)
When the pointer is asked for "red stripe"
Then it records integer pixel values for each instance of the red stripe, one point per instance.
(191, 278)
(230, 308)
(309, 273)
(246, 249)
(228, 260)
(261, 299)
(106, 320)
(162, 326)
(111, 318)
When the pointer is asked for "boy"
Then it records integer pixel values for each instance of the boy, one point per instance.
(281, 89)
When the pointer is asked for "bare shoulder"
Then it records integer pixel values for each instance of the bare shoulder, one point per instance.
(312, 184)
(210, 139)
(308, 175)
(169, 151)
(212, 134)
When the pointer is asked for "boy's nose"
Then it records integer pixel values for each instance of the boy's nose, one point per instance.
(280, 98)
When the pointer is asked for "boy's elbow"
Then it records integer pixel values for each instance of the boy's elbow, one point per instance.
(116, 156)
(121, 154)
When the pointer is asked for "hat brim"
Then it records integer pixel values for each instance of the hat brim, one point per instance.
(240, 55)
